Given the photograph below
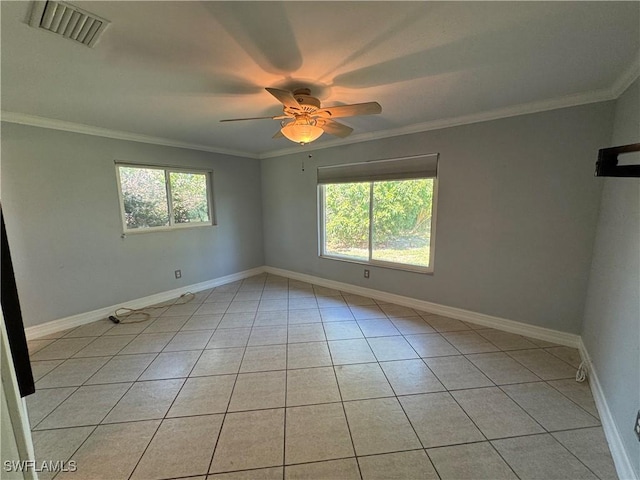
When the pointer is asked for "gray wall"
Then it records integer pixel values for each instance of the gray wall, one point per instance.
(517, 210)
(612, 315)
(60, 200)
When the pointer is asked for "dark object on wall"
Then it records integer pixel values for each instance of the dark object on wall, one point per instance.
(13, 319)
(607, 164)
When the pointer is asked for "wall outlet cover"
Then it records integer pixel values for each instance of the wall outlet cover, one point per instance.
(178, 273)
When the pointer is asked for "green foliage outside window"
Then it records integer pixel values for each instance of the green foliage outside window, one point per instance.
(189, 192)
(400, 221)
(144, 195)
(347, 215)
(401, 209)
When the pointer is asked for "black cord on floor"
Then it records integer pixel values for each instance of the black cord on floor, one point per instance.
(124, 314)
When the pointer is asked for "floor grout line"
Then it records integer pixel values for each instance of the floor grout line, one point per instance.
(215, 447)
(344, 410)
(286, 384)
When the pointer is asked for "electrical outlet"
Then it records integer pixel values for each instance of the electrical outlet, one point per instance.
(178, 273)
(366, 273)
(637, 426)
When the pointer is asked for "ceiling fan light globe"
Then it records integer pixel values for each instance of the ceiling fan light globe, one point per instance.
(301, 133)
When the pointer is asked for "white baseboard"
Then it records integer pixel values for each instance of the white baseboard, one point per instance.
(88, 317)
(540, 333)
(618, 453)
(561, 338)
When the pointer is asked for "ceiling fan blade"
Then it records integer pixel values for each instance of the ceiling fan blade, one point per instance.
(285, 97)
(277, 117)
(369, 108)
(278, 135)
(242, 119)
(334, 128)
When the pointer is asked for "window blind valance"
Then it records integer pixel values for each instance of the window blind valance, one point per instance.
(403, 168)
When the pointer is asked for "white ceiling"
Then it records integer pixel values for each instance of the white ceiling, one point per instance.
(172, 70)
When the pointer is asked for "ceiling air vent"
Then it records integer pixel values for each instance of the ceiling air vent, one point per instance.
(68, 21)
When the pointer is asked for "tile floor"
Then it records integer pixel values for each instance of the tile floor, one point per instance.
(275, 378)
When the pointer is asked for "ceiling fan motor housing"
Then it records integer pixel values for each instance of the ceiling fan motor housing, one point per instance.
(308, 103)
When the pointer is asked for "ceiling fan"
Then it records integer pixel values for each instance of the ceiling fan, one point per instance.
(308, 119)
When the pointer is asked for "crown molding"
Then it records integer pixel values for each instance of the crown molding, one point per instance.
(625, 80)
(54, 124)
(513, 111)
(614, 91)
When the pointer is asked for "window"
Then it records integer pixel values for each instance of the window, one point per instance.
(380, 213)
(159, 198)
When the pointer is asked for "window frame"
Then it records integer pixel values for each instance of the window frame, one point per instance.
(167, 169)
(371, 261)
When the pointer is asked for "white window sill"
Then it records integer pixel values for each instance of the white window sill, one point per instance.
(138, 231)
(378, 263)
